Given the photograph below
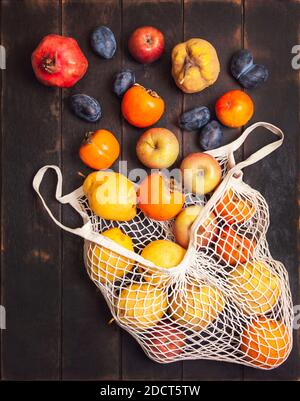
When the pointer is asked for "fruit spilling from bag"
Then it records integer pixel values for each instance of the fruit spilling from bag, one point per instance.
(215, 294)
(186, 270)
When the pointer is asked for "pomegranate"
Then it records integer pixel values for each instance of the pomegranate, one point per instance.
(58, 61)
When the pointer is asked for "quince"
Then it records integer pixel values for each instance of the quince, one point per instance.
(195, 65)
(110, 195)
(255, 287)
(108, 266)
(141, 305)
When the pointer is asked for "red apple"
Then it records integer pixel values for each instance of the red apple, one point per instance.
(157, 148)
(206, 232)
(146, 44)
(201, 173)
(166, 342)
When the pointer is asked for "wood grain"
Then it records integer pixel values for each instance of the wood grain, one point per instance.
(157, 77)
(220, 24)
(91, 348)
(31, 257)
(276, 176)
(56, 318)
(201, 20)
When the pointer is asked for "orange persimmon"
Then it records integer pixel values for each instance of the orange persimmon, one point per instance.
(233, 248)
(234, 109)
(100, 149)
(158, 199)
(234, 209)
(265, 342)
(142, 107)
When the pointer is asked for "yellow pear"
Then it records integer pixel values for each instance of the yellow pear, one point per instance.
(255, 286)
(141, 305)
(89, 182)
(196, 305)
(162, 253)
(110, 195)
(108, 266)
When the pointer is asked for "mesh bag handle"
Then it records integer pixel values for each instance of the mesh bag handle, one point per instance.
(235, 169)
(254, 157)
(86, 230)
(202, 306)
(67, 199)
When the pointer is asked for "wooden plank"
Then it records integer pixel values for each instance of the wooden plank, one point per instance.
(166, 16)
(1, 105)
(219, 22)
(271, 30)
(90, 346)
(31, 256)
(31, 137)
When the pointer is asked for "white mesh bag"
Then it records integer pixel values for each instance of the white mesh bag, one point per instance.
(227, 300)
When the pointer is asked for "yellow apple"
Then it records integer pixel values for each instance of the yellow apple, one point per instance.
(110, 195)
(255, 286)
(157, 148)
(196, 305)
(105, 265)
(141, 305)
(206, 232)
(162, 253)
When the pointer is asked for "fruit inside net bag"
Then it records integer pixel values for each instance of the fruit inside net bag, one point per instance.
(227, 299)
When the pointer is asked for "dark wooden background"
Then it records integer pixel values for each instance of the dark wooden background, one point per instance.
(57, 322)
